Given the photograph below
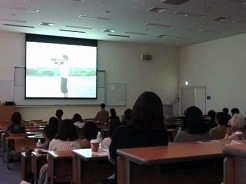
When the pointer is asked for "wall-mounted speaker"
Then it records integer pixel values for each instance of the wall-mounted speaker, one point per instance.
(146, 57)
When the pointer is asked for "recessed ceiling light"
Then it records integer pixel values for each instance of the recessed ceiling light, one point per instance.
(219, 19)
(162, 36)
(14, 20)
(136, 33)
(174, 2)
(93, 17)
(109, 30)
(157, 25)
(106, 11)
(15, 25)
(116, 35)
(156, 10)
(20, 8)
(73, 31)
(79, 27)
(188, 14)
(46, 24)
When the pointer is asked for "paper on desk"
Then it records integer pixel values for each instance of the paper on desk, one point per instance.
(101, 152)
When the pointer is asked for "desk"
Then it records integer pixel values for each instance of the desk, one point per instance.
(89, 168)
(38, 160)
(26, 165)
(235, 164)
(186, 163)
(60, 160)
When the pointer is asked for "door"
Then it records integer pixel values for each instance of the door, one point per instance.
(193, 96)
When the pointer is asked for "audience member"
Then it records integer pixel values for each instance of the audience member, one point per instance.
(219, 131)
(102, 116)
(59, 114)
(237, 123)
(114, 121)
(226, 111)
(15, 126)
(211, 120)
(126, 117)
(146, 127)
(79, 124)
(66, 139)
(234, 111)
(194, 127)
(90, 131)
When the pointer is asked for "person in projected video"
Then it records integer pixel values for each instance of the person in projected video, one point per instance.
(64, 69)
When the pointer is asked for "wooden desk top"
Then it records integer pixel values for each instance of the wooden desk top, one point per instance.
(61, 154)
(174, 152)
(235, 149)
(87, 154)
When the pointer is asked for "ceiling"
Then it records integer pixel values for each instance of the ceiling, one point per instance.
(192, 22)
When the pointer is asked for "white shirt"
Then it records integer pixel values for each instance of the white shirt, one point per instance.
(57, 144)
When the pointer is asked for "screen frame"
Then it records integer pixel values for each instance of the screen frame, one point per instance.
(61, 40)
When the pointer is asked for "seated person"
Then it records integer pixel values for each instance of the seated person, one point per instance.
(211, 120)
(126, 117)
(66, 139)
(114, 121)
(237, 123)
(79, 125)
(145, 129)
(194, 127)
(90, 131)
(219, 131)
(15, 126)
(102, 115)
(59, 114)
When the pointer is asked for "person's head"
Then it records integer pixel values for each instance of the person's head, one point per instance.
(102, 106)
(221, 118)
(128, 113)
(112, 112)
(53, 122)
(237, 122)
(49, 132)
(67, 131)
(193, 121)
(59, 113)
(211, 114)
(77, 118)
(225, 110)
(147, 112)
(16, 118)
(234, 111)
(65, 57)
(90, 130)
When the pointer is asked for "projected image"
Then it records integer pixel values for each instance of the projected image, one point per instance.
(60, 70)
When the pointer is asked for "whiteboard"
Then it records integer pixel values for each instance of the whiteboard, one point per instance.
(6, 90)
(19, 93)
(116, 94)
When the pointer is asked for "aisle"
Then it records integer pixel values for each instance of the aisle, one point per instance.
(10, 176)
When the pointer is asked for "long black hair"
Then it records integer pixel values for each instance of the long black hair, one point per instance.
(194, 122)
(67, 131)
(147, 113)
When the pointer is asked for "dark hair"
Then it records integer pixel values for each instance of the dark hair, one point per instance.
(16, 118)
(102, 105)
(222, 118)
(235, 111)
(112, 112)
(225, 110)
(76, 118)
(211, 114)
(50, 132)
(90, 130)
(53, 122)
(147, 113)
(67, 131)
(193, 121)
(59, 113)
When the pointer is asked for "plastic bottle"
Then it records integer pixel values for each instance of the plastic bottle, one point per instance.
(39, 143)
(99, 137)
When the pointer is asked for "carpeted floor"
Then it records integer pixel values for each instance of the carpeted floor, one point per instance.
(10, 176)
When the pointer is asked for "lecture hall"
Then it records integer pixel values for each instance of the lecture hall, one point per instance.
(126, 92)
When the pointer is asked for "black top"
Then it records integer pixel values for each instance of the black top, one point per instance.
(114, 122)
(130, 136)
(15, 128)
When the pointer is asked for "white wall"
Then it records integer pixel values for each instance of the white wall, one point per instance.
(221, 66)
(122, 63)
